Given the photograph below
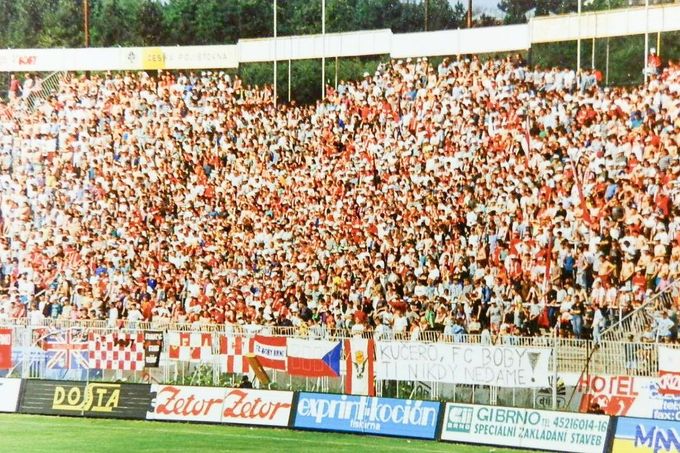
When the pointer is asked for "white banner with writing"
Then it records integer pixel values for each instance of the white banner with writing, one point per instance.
(501, 366)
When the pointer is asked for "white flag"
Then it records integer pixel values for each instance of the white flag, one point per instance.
(360, 358)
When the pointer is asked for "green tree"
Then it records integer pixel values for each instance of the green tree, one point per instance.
(373, 14)
(116, 23)
(304, 17)
(153, 31)
(180, 16)
(516, 10)
(62, 25)
(216, 22)
(256, 18)
(24, 22)
(412, 18)
(442, 16)
(341, 16)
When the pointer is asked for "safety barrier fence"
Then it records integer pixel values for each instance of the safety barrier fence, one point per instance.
(644, 316)
(44, 89)
(608, 357)
(451, 371)
(406, 418)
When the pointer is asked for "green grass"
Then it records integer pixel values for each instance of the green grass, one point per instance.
(36, 433)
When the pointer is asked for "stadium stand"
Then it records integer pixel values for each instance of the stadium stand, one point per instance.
(466, 197)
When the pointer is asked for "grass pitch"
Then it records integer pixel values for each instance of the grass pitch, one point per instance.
(37, 433)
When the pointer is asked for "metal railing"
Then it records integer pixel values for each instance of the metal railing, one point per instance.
(5, 112)
(640, 319)
(31, 361)
(573, 355)
(43, 89)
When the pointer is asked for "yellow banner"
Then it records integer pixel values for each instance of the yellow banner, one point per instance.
(153, 58)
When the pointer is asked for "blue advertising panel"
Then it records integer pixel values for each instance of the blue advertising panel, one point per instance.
(646, 435)
(362, 414)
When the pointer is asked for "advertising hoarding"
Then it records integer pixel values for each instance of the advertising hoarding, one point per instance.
(361, 414)
(525, 428)
(220, 405)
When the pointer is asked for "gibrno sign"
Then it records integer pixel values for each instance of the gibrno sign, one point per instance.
(218, 405)
(360, 414)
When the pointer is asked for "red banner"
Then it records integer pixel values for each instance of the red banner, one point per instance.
(271, 351)
(5, 349)
(614, 394)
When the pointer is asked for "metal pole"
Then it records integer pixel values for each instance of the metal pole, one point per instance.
(606, 81)
(86, 21)
(275, 55)
(427, 15)
(86, 27)
(592, 56)
(554, 386)
(469, 14)
(323, 54)
(646, 39)
(658, 44)
(336, 73)
(578, 45)
(289, 63)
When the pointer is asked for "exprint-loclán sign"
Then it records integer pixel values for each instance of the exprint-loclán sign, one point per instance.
(385, 416)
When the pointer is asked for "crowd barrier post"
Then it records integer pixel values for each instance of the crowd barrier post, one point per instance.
(554, 379)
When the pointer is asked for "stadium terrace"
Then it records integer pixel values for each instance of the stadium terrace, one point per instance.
(464, 197)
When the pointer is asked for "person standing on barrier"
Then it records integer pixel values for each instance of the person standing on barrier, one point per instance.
(14, 88)
(630, 351)
(664, 327)
(245, 383)
(577, 311)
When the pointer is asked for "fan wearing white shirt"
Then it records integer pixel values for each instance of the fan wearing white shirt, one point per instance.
(664, 326)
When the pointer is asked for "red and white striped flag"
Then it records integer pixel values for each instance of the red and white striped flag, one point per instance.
(190, 346)
(271, 351)
(116, 351)
(233, 352)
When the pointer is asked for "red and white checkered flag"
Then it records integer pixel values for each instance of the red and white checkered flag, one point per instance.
(116, 351)
(232, 354)
(190, 346)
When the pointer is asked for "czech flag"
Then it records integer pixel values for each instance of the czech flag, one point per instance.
(313, 358)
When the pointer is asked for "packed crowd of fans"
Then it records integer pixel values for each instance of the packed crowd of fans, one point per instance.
(463, 197)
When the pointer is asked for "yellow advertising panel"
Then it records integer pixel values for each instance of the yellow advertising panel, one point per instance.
(153, 58)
